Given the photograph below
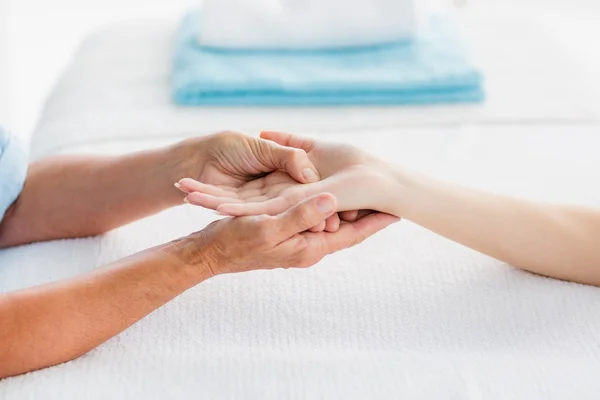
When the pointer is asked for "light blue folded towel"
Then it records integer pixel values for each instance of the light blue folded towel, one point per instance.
(432, 69)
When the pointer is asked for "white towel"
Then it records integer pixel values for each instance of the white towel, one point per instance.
(307, 24)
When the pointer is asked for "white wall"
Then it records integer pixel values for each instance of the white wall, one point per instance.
(4, 69)
(40, 38)
(549, 3)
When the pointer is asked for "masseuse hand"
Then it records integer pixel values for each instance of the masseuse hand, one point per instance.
(265, 242)
(357, 180)
(231, 160)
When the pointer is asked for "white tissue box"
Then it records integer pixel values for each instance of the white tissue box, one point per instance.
(308, 24)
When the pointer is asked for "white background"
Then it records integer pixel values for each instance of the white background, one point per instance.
(38, 37)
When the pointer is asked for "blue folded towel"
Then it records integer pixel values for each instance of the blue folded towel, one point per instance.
(432, 69)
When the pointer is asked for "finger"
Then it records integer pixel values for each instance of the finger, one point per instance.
(188, 185)
(314, 246)
(349, 216)
(303, 216)
(207, 200)
(359, 214)
(354, 233)
(333, 223)
(270, 207)
(293, 161)
(364, 213)
(289, 140)
(318, 228)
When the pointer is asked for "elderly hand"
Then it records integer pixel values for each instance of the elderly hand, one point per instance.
(266, 242)
(230, 159)
(357, 180)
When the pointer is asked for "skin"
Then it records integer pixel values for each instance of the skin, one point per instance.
(74, 196)
(79, 196)
(558, 241)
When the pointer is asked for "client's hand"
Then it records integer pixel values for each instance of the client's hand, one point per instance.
(266, 242)
(357, 180)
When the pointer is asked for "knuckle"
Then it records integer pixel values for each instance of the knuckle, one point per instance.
(297, 155)
(228, 136)
(302, 248)
(213, 225)
(301, 258)
(304, 216)
(294, 157)
(263, 231)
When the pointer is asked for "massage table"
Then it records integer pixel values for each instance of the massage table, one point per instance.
(405, 315)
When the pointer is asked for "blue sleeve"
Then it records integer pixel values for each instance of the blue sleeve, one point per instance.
(13, 170)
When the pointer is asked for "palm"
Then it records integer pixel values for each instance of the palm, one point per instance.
(235, 190)
(346, 172)
(222, 175)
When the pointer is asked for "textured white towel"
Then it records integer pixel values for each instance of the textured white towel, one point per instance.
(306, 24)
(407, 315)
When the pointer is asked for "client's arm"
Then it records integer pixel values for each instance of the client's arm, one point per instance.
(554, 240)
(54, 323)
(75, 196)
(558, 241)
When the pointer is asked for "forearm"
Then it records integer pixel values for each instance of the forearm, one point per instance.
(553, 240)
(58, 322)
(76, 196)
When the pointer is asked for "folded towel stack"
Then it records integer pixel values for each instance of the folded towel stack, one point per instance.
(307, 24)
(380, 68)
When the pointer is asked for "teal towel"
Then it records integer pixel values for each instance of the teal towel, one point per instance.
(429, 70)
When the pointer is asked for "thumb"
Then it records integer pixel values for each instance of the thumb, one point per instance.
(306, 214)
(293, 161)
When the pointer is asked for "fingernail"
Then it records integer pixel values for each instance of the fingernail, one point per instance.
(185, 200)
(177, 185)
(310, 175)
(325, 206)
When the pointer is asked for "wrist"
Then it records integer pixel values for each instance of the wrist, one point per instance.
(194, 253)
(189, 157)
(403, 186)
(183, 160)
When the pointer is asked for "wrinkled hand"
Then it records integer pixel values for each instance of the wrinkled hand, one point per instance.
(231, 159)
(357, 180)
(265, 242)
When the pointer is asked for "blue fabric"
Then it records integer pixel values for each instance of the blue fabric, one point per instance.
(432, 69)
(13, 170)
